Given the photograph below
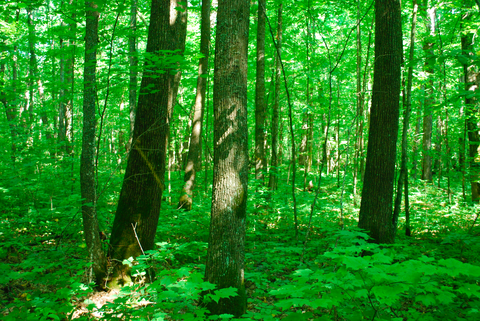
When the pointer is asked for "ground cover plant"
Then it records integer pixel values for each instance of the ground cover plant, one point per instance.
(432, 275)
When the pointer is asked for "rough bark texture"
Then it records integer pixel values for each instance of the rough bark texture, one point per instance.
(194, 159)
(377, 193)
(138, 208)
(87, 165)
(273, 179)
(472, 81)
(226, 247)
(429, 99)
(260, 158)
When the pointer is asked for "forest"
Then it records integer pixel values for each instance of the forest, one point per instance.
(239, 160)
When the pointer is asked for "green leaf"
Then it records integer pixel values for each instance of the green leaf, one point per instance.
(223, 293)
(426, 299)
(355, 263)
(469, 290)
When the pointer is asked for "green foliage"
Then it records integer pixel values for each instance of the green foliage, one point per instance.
(367, 281)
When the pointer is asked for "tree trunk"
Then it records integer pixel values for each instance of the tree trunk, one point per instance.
(194, 159)
(429, 99)
(359, 114)
(226, 245)
(138, 210)
(472, 81)
(67, 80)
(8, 99)
(260, 107)
(133, 62)
(35, 77)
(87, 165)
(273, 179)
(377, 193)
(403, 176)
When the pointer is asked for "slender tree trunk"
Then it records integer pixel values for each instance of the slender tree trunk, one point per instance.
(438, 147)
(306, 149)
(472, 81)
(260, 106)
(35, 77)
(377, 193)
(403, 176)
(133, 62)
(416, 146)
(87, 165)
(275, 161)
(226, 244)
(358, 120)
(429, 99)
(138, 210)
(67, 79)
(8, 98)
(194, 159)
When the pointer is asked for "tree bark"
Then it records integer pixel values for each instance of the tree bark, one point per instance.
(377, 193)
(138, 209)
(194, 159)
(429, 99)
(87, 165)
(472, 81)
(273, 179)
(403, 176)
(67, 80)
(260, 107)
(226, 247)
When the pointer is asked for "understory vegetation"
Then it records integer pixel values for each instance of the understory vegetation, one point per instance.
(337, 275)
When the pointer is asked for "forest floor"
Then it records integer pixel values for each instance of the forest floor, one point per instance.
(432, 275)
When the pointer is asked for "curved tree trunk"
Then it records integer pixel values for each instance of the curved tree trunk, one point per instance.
(138, 210)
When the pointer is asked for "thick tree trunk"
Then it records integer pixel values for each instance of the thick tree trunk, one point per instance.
(87, 166)
(226, 245)
(260, 106)
(377, 193)
(194, 159)
(275, 161)
(138, 210)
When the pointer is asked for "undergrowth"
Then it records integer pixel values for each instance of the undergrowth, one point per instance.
(432, 275)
